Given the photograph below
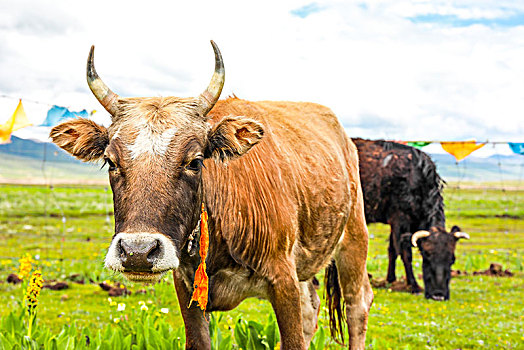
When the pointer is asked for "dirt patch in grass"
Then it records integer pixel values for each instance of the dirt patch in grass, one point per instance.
(495, 270)
(396, 286)
(114, 290)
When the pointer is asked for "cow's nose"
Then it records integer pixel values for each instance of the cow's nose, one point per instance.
(139, 256)
(438, 296)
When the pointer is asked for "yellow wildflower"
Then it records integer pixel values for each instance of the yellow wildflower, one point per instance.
(26, 265)
(33, 290)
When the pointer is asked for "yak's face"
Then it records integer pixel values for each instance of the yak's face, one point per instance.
(155, 149)
(438, 255)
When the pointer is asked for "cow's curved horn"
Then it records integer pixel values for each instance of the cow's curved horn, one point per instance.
(210, 96)
(417, 235)
(102, 92)
(459, 235)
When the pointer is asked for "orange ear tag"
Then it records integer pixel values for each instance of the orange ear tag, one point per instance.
(201, 280)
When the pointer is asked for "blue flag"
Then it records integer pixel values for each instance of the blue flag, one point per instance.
(517, 147)
(58, 114)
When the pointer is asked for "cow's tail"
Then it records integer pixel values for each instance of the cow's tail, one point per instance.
(335, 303)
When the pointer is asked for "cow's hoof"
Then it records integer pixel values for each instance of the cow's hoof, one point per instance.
(416, 289)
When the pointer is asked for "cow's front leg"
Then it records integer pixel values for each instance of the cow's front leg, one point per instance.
(407, 258)
(197, 328)
(284, 295)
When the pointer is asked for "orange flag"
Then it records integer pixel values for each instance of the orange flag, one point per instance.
(461, 150)
(201, 279)
(17, 121)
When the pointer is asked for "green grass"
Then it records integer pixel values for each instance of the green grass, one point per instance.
(484, 312)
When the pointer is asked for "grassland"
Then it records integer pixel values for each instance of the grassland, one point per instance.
(67, 229)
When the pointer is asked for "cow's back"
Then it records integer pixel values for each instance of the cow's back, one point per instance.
(296, 178)
(399, 180)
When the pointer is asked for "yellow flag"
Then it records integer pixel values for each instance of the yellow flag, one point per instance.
(17, 121)
(6, 130)
(461, 150)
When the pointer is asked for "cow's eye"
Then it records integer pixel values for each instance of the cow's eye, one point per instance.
(110, 164)
(195, 164)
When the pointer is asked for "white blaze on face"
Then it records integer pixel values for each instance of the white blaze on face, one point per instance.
(151, 141)
(116, 134)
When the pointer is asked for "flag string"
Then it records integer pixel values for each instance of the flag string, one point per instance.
(26, 100)
(415, 143)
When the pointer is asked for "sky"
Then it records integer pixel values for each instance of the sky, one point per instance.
(419, 70)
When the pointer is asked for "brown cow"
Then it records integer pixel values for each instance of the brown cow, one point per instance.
(277, 214)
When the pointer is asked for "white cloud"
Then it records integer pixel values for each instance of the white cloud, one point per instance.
(366, 60)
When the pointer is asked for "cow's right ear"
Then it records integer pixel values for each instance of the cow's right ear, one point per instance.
(82, 138)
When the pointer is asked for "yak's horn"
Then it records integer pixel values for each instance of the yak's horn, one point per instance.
(459, 235)
(102, 92)
(210, 96)
(417, 235)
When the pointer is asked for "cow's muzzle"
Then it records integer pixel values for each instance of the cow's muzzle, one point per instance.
(438, 295)
(138, 256)
(141, 257)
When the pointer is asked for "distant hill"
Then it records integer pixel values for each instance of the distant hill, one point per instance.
(494, 168)
(23, 159)
(36, 150)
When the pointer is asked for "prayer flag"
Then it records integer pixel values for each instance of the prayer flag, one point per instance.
(418, 144)
(17, 121)
(58, 114)
(462, 149)
(517, 148)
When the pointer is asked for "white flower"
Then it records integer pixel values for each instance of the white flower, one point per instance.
(143, 307)
(164, 310)
(121, 307)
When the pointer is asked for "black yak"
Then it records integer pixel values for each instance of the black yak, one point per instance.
(403, 189)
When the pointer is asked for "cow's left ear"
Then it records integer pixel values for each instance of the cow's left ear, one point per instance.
(454, 229)
(233, 137)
